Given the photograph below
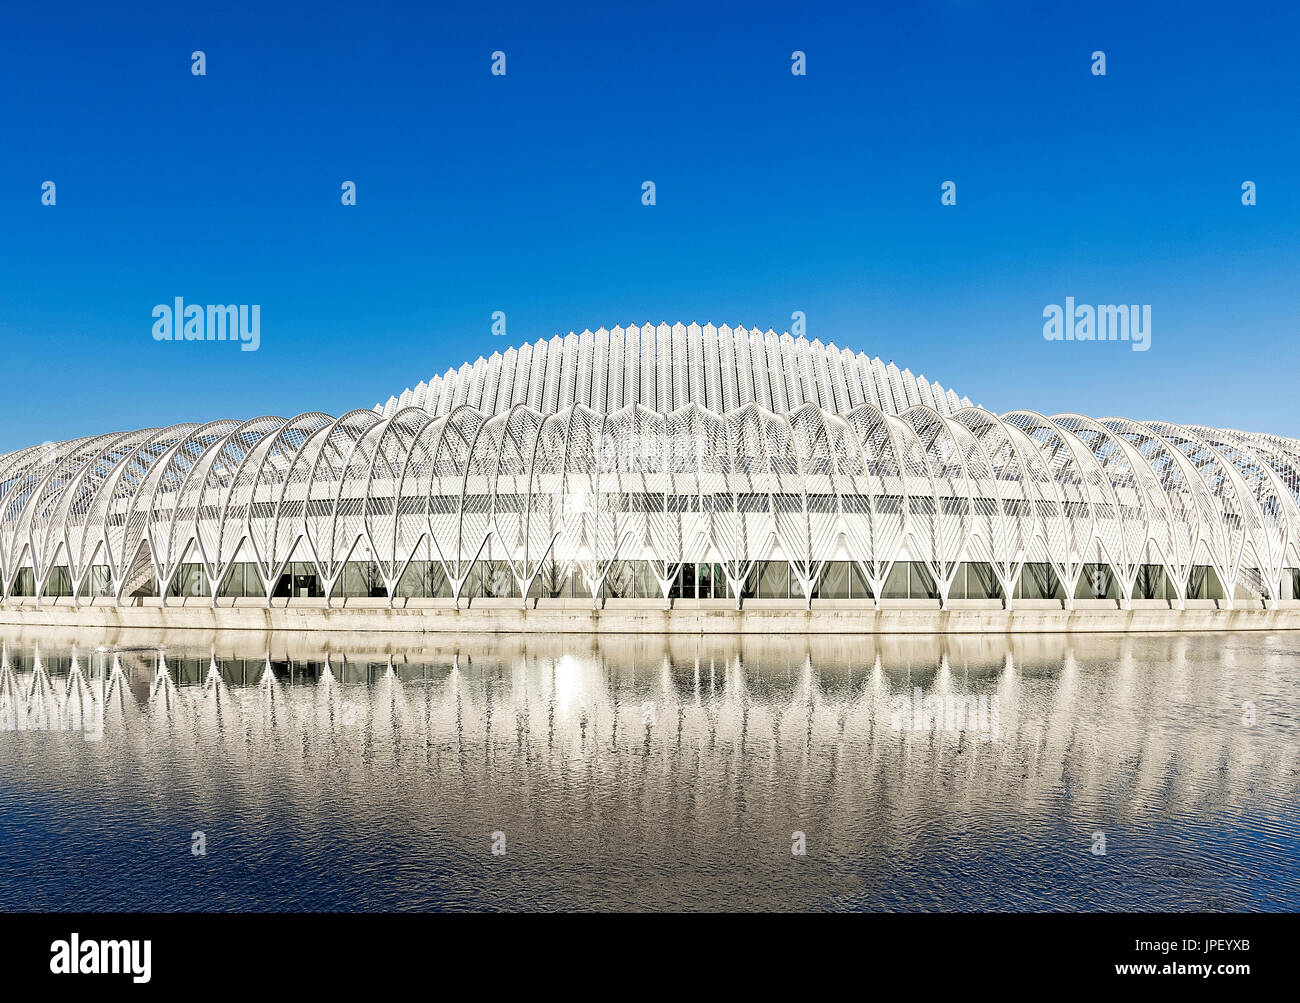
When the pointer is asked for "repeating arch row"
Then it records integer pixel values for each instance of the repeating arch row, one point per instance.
(589, 488)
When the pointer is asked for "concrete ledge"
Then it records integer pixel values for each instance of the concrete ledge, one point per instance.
(644, 616)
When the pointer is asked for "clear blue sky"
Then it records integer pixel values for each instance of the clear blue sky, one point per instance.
(776, 193)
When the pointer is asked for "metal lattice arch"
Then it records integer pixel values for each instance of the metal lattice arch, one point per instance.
(664, 447)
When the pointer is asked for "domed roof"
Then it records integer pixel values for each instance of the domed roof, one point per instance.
(663, 368)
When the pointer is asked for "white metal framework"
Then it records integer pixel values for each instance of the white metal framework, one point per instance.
(664, 446)
(666, 367)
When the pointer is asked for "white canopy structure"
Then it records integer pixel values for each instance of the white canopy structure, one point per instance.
(616, 460)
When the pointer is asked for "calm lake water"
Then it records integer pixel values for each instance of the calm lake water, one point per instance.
(647, 773)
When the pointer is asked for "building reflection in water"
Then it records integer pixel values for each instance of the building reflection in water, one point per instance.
(653, 772)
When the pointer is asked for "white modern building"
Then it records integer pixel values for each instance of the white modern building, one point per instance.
(668, 461)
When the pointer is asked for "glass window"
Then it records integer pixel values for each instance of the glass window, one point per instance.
(833, 582)
(1097, 582)
(921, 582)
(979, 581)
(1038, 581)
(896, 586)
(773, 580)
(861, 588)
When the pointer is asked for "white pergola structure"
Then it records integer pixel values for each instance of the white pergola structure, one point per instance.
(667, 445)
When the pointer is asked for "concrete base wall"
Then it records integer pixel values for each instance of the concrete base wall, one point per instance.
(630, 616)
